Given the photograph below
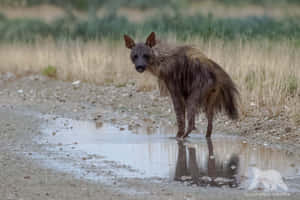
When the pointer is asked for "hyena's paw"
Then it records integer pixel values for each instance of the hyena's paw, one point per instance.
(180, 134)
(186, 134)
(180, 139)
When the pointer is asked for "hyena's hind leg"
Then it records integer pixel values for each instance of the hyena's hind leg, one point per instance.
(209, 115)
(209, 112)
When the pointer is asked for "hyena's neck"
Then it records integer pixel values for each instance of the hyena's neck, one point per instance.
(161, 53)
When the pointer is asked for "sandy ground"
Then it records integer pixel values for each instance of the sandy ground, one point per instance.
(21, 177)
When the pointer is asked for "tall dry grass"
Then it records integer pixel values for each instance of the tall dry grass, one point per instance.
(267, 73)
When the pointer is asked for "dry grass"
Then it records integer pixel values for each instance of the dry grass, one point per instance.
(96, 62)
(266, 73)
(43, 12)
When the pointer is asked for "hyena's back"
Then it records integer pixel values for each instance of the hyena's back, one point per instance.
(192, 71)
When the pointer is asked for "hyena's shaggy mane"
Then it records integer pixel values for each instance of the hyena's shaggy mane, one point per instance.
(191, 70)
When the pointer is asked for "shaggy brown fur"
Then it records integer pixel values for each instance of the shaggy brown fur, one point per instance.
(194, 82)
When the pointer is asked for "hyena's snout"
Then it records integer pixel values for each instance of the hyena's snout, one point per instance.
(140, 68)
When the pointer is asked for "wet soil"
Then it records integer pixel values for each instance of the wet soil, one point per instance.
(64, 141)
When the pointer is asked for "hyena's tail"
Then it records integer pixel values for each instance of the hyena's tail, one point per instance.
(229, 99)
(228, 96)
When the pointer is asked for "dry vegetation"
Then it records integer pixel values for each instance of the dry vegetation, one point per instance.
(267, 73)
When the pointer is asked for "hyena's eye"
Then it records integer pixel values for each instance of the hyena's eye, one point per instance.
(134, 57)
(146, 56)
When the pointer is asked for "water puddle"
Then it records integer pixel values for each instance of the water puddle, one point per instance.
(223, 160)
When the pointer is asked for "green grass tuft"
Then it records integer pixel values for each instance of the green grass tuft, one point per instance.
(292, 84)
(50, 71)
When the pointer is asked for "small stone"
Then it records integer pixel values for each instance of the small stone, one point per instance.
(185, 178)
(206, 178)
(288, 129)
(8, 76)
(292, 165)
(99, 124)
(76, 82)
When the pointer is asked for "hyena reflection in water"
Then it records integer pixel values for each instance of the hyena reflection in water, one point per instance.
(193, 81)
(210, 173)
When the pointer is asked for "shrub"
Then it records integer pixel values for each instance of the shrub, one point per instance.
(23, 29)
(292, 84)
(110, 26)
(2, 17)
(254, 2)
(49, 71)
(113, 27)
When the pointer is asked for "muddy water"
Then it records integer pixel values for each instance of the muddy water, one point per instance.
(223, 160)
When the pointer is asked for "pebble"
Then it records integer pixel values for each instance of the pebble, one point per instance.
(99, 124)
(185, 178)
(8, 76)
(76, 82)
(288, 129)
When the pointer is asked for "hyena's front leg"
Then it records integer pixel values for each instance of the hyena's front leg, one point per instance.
(179, 108)
(191, 105)
(191, 120)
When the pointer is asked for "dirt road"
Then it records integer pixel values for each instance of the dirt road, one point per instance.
(24, 100)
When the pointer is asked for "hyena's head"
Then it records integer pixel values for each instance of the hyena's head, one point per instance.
(142, 54)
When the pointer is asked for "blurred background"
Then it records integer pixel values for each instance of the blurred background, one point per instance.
(27, 20)
(256, 41)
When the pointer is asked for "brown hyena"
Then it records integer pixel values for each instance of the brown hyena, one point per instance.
(193, 81)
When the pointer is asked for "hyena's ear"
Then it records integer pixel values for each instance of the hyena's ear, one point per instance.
(129, 43)
(151, 40)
